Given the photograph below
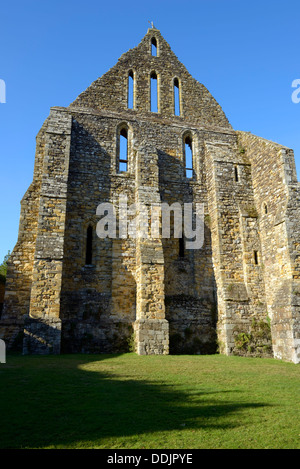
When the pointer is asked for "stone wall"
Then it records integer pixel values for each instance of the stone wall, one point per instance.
(156, 140)
(276, 195)
(43, 324)
(109, 288)
(153, 293)
(236, 243)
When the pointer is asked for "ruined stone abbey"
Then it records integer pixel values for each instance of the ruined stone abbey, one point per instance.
(69, 290)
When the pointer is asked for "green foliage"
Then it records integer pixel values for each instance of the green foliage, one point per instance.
(131, 342)
(3, 268)
(252, 212)
(220, 346)
(242, 341)
(257, 341)
(207, 220)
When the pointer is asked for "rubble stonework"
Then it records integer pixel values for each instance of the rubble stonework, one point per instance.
(239, 293)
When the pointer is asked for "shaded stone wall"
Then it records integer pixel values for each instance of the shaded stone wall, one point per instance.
(190, 291)
(43, 324)
(100, 301)
(276, 194)
(235, 240)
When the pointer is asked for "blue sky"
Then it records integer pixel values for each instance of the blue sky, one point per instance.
(245, 52)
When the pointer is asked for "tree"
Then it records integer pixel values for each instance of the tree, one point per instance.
(3, 268)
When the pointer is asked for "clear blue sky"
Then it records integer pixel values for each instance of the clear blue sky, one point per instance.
(245, 52)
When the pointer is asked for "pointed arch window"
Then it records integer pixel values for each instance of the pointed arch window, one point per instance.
(188, 154)
(89, 246)
(153, 92)
(130, 96)
(176, 97)
(236, 174)
(123, 150)
(154, 47)
(181, 246)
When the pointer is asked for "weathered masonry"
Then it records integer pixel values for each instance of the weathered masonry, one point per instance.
(148, 130)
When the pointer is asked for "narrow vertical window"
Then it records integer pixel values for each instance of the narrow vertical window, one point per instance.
(265, 209)
(89, 246)
(236, 174)
(181, 246)
(130, 90)
(153, 93)
(176, 97)
(188, 157)
(123, 151)
(255, 257)
(153, 47)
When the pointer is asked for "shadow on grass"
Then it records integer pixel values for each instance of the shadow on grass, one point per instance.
(47, 401)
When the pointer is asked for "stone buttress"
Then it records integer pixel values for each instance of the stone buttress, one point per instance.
(236, 244)
(42, 331)
(151, 328)
(277, 199)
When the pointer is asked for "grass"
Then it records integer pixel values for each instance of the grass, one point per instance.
(152, 402)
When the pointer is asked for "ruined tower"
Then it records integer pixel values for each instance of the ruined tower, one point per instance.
(68, 290)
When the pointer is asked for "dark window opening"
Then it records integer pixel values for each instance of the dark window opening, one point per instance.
(188, 157)
(153, 47)
(266, 208)
(236, 174)
(123, 151)
(255, 257)
(176, 97)
(89, 246)
(153, 93)
(130, 90)
(181, 247)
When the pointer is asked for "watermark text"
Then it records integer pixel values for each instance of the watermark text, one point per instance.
(296, 93)
(2, 351)
(152, 221)
(2, 91)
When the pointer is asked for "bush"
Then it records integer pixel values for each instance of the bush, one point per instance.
(257, 342)
(3, 268)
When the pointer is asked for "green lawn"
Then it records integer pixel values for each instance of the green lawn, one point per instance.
(152, 402)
